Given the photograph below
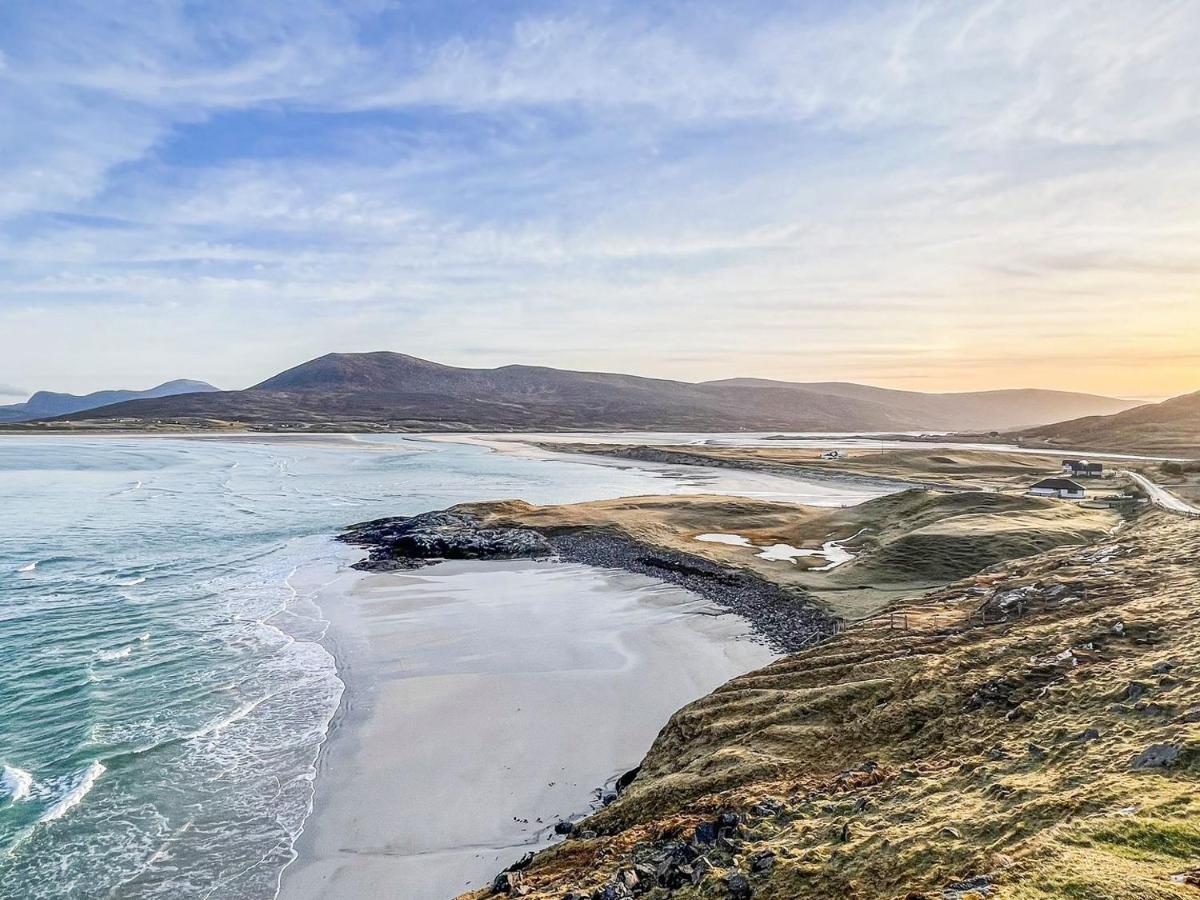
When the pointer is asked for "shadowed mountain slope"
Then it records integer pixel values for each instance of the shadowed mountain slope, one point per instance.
(1172, 426)
(391, 390)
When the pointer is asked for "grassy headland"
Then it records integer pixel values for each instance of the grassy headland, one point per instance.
(902, 544)
(1032, 731)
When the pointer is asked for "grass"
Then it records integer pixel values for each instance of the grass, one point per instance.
(948, 711)
(904, 543)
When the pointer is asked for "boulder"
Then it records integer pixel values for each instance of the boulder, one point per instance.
(739, 886)
(1157, 756)
(761, 863)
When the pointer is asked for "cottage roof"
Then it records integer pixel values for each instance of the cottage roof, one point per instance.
(1059, 484)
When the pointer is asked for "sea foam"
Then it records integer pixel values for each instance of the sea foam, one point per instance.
(15, 783)
(72, 798)
(28, 568)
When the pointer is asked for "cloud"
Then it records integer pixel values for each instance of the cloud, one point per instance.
(677, 188)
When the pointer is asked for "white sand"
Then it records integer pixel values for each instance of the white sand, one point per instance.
(480, 695)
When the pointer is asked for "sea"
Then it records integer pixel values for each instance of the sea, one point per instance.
(164, 687)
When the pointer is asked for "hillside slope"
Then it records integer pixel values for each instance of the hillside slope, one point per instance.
(1170, 427)
(970, 411)
(1030, 733)
(393, 391)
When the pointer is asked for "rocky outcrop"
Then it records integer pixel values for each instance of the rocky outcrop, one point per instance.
(413, 541)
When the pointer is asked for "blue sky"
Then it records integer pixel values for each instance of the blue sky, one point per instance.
(933, 195)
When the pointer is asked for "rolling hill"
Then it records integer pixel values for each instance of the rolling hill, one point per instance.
(1171, 427)
(353, 391)
(47, 404)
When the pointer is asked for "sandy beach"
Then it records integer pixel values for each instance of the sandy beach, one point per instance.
(485, 701)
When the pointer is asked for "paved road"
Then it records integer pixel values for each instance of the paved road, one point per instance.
(1162, 497)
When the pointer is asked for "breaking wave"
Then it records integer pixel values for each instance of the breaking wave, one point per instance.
(73, 797)
(15, 783)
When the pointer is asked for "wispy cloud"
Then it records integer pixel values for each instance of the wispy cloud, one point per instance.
(807, 190)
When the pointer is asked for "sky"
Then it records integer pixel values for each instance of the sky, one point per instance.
(927, 195)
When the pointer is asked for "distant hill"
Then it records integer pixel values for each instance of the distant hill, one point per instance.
(363, 391)
(47, 404)
(1170, 428)
(1004, 410)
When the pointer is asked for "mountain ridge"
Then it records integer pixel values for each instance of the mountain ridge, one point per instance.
(45, 404)
(386, 390)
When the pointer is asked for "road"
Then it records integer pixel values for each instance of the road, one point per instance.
(1160, 496)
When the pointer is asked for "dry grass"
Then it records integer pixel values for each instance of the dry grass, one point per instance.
(905, 543)
(980, 736)
(954, 468)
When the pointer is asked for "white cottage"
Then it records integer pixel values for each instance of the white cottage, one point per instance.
(1059, 487)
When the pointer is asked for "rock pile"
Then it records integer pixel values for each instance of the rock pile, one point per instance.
(413, 541)
(708, 856)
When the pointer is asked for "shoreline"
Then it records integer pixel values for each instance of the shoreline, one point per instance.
(497, 440)
(786, 620)
(433, 654)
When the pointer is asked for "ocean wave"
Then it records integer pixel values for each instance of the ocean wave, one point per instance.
(28, 568)
(219, 725)
(131, 582)
(110, 655)
(15, 783)
(73, 797)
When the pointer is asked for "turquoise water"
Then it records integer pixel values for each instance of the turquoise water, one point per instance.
(158, 725)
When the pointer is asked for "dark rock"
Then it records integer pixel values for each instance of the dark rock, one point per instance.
(766, 808)
(1037, 752)
(1158, 756)
(1135, 689)
(706, 833)
(410, 540)
(739, 886)
(521, 864)
(1162, 668)
(727, 821)
(563, 827)
(608, 798)
(627, 779)
(1090, 734)
(506, 882)
(762, 862)
(979, 884)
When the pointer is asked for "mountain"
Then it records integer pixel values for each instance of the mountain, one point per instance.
(394, 391)
(1171, 427)
(1004, 410)
(47, 404)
